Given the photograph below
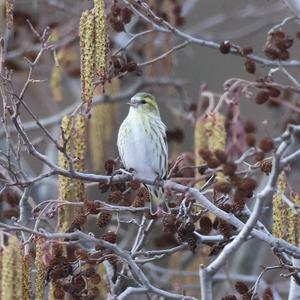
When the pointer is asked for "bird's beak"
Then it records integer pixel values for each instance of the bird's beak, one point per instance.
(133, 102)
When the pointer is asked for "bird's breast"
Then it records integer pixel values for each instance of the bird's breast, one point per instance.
(140, 147)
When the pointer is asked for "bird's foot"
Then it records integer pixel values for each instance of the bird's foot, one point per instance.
(120, 172)
(131, 172)
(183, 208)
(157, 180)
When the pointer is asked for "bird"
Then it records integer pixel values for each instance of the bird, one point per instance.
(142, 144)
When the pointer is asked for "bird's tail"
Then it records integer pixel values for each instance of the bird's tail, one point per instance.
(156, 196)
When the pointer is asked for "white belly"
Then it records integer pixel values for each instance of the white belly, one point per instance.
(139, 150)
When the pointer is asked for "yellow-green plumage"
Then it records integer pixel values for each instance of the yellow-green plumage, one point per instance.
(142, 141)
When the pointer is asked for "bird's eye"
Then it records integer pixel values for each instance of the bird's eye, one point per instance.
(143, 101)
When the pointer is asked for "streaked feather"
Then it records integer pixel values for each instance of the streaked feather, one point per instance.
(142, 146)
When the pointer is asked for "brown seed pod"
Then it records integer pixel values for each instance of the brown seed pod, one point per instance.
(205, 154)
(138, 202)
(116, 24)
(189, 227)
(241, 287)
(92, 207)
(262, 97)
(248, 296)
(226, 207)
(78, 283)
(179, 21)
(239, 200)
(284, 55)
(266, 144)
(118, 187)
(266, 166)
(225, 228)
(11, 212)
(247, 50)
(149, 216)
(79, 220)
(181, 233)
(271, 53)
(70, 249)
(284, 44)
(110, 237)
(249, 127)
(89, 272)
(127, 201)
(192, 242)
(222, 187)
(143, 193)
(177, 10)
(109, 166)
(95, 279)
(247, 184)
(235, 180)
(115, 197)
(213, 163)
(96, 255)
(278, 35)
(81, 253)
(103, 187)
(126, 15)
(58, 293)
(131, 66)
(134, 184)
(205, 225)
(11, 197)
(259, 156)
(166, 239)
(280, 44)
(250, 66)
(57, 250)
(175, 135)
(250, 140)
(221, 156)
(61, 271)
(115, 10)
(169, 220)
(104, 218)
(273, 91)
(202, 169)
(113, 259)
(229, 168)
(225, 47)
(54, 261)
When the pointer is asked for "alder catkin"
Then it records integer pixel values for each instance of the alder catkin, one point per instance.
(27, 284)
(41, 270)
(101, 39)
(64, 183)
(293, 223)
(216, 136)
(279, 209)
(9, 14)
(200, 143)
(87, 57)
(79, 144)
(12, 273)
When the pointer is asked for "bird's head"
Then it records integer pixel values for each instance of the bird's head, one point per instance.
(144, 103)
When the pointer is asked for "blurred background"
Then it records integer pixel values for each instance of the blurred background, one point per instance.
(195, 68)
